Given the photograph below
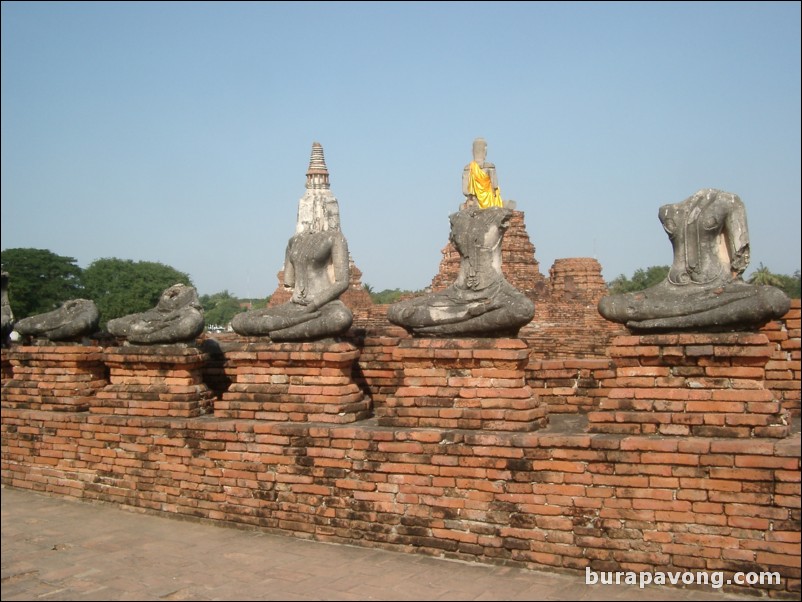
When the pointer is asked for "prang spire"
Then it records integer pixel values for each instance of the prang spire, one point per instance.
(317, 176)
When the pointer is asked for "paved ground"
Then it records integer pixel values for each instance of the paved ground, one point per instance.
(61, 549)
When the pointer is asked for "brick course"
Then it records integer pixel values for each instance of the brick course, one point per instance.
(154, 380)
(298, 382)
(690, 384)
(567, 500)
(52, 377)
(557, 497)
(465, 384)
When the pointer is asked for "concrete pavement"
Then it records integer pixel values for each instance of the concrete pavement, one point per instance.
(61, 549)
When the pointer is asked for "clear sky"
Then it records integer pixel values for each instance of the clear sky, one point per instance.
(181, 132)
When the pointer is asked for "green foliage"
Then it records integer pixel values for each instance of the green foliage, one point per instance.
(386, 296)
(764, 276)
(40, 281)
(259, 303)
(790, 285)
(121, 287)
(250, 303)
(220, 308)
(641, 279)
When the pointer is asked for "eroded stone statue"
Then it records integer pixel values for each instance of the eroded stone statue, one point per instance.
(480, 302)
(316, 268)
(74, 319)
(7, 314)
(479, 181)
(704, 289)
(177, 318)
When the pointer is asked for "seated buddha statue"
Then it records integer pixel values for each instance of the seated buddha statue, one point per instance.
(704, 289)
(177, 318)
(316, 269)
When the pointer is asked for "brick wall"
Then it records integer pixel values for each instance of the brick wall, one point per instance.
(557, 497)
(783, 369)
(610, 502)
(567, 323)
(570, 386)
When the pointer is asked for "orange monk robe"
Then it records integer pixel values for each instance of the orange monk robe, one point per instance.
(481, 186)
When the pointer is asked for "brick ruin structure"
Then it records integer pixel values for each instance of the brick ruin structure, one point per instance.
(575, 446)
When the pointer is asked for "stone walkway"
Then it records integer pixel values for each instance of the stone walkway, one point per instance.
(61, 549)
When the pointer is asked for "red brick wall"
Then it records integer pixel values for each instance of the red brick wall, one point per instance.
(570, 386)
(567, 323)
(611, 502)
(783, 373)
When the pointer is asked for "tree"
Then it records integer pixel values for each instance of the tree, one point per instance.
(763, 276)
(641, 279)
(120, 287)
(790, 285)
(40, 280)
(387, 296)
(647, 278)
(220, 308)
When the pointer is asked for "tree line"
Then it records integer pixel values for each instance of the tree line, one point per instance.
(40, 281)
(647, 277)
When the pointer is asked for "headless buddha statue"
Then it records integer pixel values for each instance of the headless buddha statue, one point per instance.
(316, 269)
(480, 302)
(704, 289)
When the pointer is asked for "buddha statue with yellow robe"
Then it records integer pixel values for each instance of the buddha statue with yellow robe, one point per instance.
(480, 302)
(479, 182)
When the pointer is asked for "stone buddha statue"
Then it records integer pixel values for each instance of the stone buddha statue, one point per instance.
(71, 321)
(479, 181)
(704, 289)
(316, 269)
(177, 318)
(480, 302)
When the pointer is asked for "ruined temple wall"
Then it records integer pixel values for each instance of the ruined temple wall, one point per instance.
(559, 497)
(609, 502)
(783, 372)
(567, 323)
(572, 382)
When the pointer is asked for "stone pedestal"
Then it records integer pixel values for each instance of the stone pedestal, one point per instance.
(154, 380)
(52, 377)
(707, 385)
(297, 382)
(463, 384)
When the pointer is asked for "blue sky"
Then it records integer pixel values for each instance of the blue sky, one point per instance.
(181, 132)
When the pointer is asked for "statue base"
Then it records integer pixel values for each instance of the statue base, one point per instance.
(154, 380)
(463, 384)
(704, 385)
(60, 378)
(293, 382)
